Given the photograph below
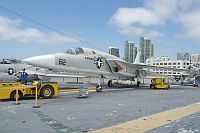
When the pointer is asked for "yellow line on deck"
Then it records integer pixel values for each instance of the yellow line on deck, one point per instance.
(153, 121)
(74, 90)
(69, 90)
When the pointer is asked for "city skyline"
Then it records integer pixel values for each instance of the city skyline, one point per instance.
(146, 49)
(129, 51)
(30, 28)
(131, 46)
(114, 51)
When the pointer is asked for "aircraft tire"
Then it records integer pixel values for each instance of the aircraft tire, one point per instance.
(150, 85)
(153, 87)
(195, 85)
(13, 95)
(168, 86)
(99, 89)
(138, 83)
(47, 91)
(109, 83)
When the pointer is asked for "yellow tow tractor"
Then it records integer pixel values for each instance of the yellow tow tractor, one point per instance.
(45, 89)
(159, 83)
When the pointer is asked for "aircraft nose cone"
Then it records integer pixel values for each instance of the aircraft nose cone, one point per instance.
(41, 61)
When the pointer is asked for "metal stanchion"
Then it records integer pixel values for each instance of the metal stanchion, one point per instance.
(17, 97)
(83, 92)
(36, 98)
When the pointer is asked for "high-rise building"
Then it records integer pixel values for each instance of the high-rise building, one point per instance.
(146, 49)
(195, 58)
(183, 56)
(130, 51)
(152, 50)
(114, 51)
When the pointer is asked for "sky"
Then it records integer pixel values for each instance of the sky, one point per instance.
(35, 27)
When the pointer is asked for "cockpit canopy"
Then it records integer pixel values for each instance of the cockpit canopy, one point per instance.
(75, 51)
(196, 65)
(80, 51)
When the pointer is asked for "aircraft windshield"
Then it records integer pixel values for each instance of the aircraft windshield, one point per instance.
(71, 51)
(75, 51)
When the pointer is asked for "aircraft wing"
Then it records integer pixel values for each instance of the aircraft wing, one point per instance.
(141, 66)
(123, 66)
(32, 72)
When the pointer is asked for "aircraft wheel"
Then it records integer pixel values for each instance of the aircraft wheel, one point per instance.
(138, 83)
(150, 85)
(13, 95)
(168, 86)
(153, 86)
(99, 89)
(109, 83)
(195, 85)
(47, 91)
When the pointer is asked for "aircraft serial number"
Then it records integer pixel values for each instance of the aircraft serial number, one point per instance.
(62, 61)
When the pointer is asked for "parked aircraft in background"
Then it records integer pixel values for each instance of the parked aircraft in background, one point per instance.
(92, 63)
(9, 67)
(192, 75)
(194, 70)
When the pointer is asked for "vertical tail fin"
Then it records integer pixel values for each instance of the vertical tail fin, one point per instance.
(137, 59)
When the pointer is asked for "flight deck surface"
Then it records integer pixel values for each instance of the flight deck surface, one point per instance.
(111, 107)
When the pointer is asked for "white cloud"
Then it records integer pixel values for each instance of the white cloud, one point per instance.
(163, 9)
(153, 34)
(141, 21)
(10, 31)
(191, 21)
(128, 16)
(131, 21)
(137, 21)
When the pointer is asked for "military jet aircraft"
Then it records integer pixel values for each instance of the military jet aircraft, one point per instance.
(194, 70)
(87, 62)
(192, 75)
(10, 67)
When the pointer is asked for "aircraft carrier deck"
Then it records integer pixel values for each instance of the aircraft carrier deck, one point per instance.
(113, 110)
